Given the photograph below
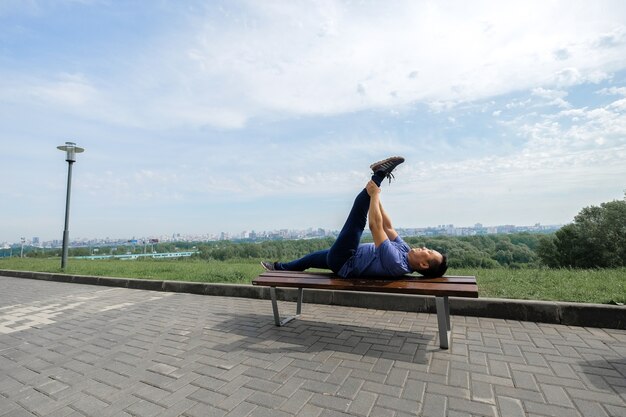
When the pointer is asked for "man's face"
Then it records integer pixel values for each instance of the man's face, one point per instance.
(423, 256)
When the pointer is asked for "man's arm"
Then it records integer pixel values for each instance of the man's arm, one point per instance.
(375, 217)
(387, 227)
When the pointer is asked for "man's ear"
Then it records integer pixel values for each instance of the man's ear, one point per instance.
(424, 265)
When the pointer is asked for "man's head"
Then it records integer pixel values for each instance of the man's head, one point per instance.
(428, 262)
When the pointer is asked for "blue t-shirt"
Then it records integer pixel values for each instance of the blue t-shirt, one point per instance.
(390, 259)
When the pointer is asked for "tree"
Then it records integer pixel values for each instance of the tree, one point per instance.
(548, 254)
(596, 239)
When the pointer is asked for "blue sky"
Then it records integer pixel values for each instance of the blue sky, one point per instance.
(208, 116)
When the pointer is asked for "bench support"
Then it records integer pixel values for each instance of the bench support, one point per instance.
(286, 320)
(443, 320)
(442, 304)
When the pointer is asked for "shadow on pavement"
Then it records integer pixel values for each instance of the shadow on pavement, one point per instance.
(605, 374)
(258, 333)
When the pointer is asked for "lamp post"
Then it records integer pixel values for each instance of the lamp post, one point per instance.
(71, 150)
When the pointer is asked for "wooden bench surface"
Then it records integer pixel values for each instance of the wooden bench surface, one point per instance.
(454, 286)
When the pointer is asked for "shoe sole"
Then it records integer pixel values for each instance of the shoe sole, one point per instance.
(384, 161)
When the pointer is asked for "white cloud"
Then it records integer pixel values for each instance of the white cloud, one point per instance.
(577, 154)
(337, 59)
(72, 90)
(255, 59)
(613, 91)
(552, 97)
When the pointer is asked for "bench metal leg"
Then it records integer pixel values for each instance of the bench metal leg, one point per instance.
(286, 320)
(443, 320)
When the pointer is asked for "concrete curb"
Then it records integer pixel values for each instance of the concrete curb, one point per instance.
(571, 314)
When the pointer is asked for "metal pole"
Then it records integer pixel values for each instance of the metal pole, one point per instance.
(67, 215)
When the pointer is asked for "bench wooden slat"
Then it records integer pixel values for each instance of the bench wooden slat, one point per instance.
(371, 285)
(405, 278)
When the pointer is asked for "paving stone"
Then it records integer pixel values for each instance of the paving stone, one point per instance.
(556, 395)
(382, 389)
(88, 405)
(397, 377)
(397, 404)
(550, 410)
(206, 396)
(382, 412)
(310, 410)
(266, 400)
(615, 410)
(204, 410)
(321, 387)
(17, 412)
(482, 392)
(296, 401)
(499, 369)
(333, 413)
(590, 409)
(434, 388)
(510, 407)
(145, 408)
(525, 380)
(267, 412)
(601, 397)
(472, 407)
(111, 352)
(330, 401)
(434, 405)
(363, 403)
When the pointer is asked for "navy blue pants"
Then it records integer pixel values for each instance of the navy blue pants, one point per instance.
(347, 242)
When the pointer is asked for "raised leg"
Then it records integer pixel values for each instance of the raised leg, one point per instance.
(443, 320)
(286, 320)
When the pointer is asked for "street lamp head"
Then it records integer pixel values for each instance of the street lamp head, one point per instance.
(71, 149)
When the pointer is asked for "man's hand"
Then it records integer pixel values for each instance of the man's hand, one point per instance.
(372, 188)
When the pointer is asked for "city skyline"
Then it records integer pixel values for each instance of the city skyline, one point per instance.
(438, 230)
(237, 115)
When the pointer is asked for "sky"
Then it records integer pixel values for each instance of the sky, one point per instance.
(200, 117)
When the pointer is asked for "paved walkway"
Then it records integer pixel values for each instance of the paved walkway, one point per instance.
(79, 350)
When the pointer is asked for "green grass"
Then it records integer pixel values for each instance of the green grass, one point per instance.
(235, 272)
(603, 286)
(586, 286)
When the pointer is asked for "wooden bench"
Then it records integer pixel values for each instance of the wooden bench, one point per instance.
(441, 288)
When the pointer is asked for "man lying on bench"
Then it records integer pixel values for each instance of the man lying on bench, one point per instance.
(388, 256)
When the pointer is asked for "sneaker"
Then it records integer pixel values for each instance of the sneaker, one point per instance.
(268, 266)
(387, 166)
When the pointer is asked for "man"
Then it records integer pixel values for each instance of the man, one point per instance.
(388, 256)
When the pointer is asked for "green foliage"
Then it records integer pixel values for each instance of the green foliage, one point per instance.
(490, 251)
(547, 251)
(274, 249)
(596, 239)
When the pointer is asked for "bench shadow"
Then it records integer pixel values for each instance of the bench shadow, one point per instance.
(605, 374)
(258, 333)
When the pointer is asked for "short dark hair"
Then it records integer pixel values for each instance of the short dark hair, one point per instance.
(435, 269)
